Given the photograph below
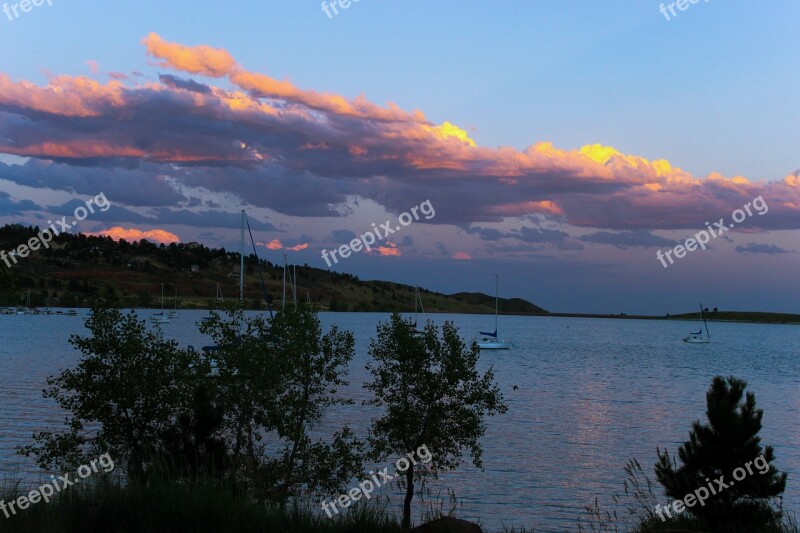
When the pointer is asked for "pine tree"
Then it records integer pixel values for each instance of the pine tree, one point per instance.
(713, 454)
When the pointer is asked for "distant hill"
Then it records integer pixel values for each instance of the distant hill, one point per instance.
(77, 270)
(741, 316)
(516, 306)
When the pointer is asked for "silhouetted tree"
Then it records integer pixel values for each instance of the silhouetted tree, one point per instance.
(434, 397)
(714, 451)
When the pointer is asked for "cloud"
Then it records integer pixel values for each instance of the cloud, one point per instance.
(180, 83)
(768, 249)
(197, 60)
(9, 207)
(306, 153)
(462, 256)
(627, 239)
(276, 244)
(390, 249)
(343, 235)
(134, 235)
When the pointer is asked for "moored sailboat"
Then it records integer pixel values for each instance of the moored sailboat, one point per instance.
(698, 338)
(491, 341)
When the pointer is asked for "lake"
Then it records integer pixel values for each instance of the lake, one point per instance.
(591, 394)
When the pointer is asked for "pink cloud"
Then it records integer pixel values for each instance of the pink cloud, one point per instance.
(134, 235)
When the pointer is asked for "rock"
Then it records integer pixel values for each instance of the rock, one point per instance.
(448, 524)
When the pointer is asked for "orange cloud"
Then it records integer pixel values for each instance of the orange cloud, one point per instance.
(275, 244)
(64, 95)
(462, 256)
(217, 63)
(205, 60)
(389, 250)
(346, 148)
(134, 235)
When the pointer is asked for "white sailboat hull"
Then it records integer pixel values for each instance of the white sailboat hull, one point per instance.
(489, 344)
(697, 340)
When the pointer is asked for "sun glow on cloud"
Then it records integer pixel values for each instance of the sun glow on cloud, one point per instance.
(390, 250)
(275, 244)
(134, 235)
(268, 135)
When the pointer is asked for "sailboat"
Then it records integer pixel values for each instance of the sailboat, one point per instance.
(698, 338)
(490, 341)
(159, 318)
(267, 297)
(220, 300)
(417, 307)
(28, 309)
(174, 313)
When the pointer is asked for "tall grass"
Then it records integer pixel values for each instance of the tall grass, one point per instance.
(108, 505)
(634, 512)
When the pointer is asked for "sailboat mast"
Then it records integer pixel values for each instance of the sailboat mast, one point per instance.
(416, 301)
(283, 303)
(496, 283)
(703, 314)
(241, 262)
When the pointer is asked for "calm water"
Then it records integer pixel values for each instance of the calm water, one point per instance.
(591, 395)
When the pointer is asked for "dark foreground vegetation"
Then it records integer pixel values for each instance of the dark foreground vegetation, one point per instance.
(230, 439)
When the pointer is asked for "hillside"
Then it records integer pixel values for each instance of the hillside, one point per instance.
(741, 316)
(77, 270)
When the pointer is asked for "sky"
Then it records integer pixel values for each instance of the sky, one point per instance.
(565, 146)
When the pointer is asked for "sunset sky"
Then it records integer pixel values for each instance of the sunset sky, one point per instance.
(562, 144)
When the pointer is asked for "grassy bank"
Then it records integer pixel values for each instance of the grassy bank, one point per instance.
(197, 507)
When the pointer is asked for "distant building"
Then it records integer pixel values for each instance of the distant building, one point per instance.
(195, 269)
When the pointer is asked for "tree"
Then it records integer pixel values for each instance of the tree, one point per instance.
(8, 284)
(277, 379)
(125, 394)
(433, 395)
(728, 442)
(193, 445)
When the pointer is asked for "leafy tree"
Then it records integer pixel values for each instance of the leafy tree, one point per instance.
(193, 445)
(278, 378)
(8, 283)
(729, 441)
(433, 395)
(124, 395)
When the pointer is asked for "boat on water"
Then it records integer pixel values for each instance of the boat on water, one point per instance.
(491, 341)
(220, 299)
(699, 338)
(417, 306)
(161, 318)
(245, 225)
(174, 313)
